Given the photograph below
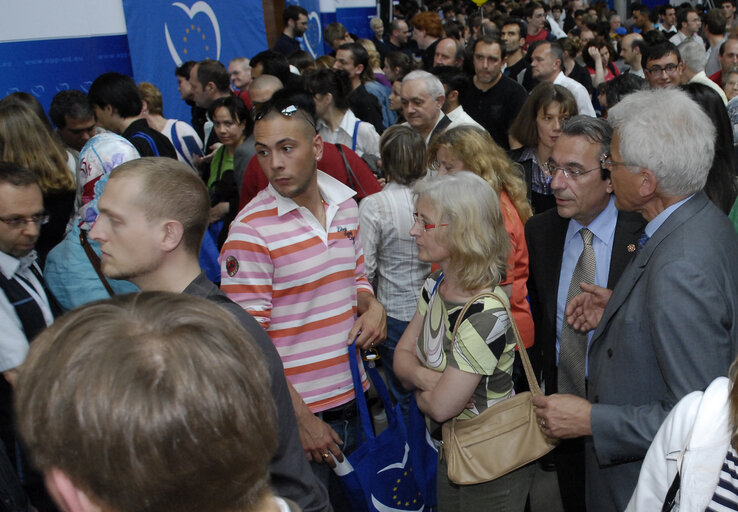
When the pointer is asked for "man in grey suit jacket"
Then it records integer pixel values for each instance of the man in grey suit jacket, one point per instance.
(671, 324)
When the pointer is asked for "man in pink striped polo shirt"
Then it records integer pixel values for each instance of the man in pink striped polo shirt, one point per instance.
(294, 261)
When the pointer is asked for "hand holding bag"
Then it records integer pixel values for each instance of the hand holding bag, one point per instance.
(504, 437)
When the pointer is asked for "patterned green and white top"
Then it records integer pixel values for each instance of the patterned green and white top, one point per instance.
(484, 344)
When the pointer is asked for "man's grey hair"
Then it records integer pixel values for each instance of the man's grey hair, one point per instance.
(596, 130)
(693, 54)
(432, 84)
(667, 132)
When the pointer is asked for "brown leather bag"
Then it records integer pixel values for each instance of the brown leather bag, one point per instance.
(502, 438)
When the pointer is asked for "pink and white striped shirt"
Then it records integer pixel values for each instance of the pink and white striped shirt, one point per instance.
(301, 283)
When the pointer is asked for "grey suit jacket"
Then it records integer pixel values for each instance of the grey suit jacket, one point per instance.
(669, 328)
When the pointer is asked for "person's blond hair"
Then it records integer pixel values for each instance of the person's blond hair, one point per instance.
(371, 49)
(152, 96)
(25, 141)
(475, 236)
(485, 158)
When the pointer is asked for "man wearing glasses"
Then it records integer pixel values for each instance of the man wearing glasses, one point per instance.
(293, 259)
(585, 214)
(670, 325)
(663, 66)
(26, 305)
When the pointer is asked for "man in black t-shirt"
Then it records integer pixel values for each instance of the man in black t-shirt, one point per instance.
(492, 99)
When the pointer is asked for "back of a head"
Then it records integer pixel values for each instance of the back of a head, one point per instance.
(622, 85)
(335, 82)
(184, 70)
(263, 87)
(24, 140)
(214, 71)
(715, 21)
(400, 62)
(71, 103)
(170, 190)
(272, 63)
(163, 396)
(402, 150)
(152, 96)
(665, 131)
(429, 22)
(117, 90)
(31, 102)
(693, 54)
(452, 77)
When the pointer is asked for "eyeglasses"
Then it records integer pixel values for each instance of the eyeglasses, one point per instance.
(657, 70)
(426, 227)
(550, 169)
(262, 109)
(608, 163)
(20, 222)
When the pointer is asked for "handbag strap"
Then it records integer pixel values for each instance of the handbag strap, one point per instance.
(95, 261)
(379, 385)
(529, 375)
(355, 136)
(353, 181)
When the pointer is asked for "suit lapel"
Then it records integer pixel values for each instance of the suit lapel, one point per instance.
(637, 266)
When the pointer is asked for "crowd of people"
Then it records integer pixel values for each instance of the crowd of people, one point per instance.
(180, 298)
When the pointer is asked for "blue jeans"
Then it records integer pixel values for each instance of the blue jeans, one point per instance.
(395, 328)
(349, 430)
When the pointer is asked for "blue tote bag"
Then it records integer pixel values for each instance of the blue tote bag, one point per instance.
(396, 470)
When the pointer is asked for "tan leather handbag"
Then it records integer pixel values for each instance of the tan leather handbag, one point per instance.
(502, 438)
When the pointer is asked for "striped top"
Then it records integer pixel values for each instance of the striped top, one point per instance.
(484, 344)
(726, 492)
(301, 283)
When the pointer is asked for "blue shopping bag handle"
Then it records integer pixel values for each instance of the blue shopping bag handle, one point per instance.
(379, 385)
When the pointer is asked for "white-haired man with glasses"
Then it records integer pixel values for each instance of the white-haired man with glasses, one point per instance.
(585, 215)
(293, 260)
(670, 325)
(26, 305)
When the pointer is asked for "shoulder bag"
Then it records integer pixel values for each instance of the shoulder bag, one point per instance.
(502, 438)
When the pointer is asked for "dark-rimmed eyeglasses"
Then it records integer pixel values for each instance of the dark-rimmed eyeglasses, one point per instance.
(657, 70)
(550, 169)
(20, 222)
(426, 226)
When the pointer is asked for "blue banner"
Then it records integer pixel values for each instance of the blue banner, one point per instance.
(45, 67)
(162, 35)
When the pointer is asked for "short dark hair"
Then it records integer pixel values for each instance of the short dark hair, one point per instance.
(596, 130)
(360, 56)
(213, 71)
(515, 21)
(453, 77)
(184, 69)
(70, 103)
(292, 12)
(238, 110)
(622, 85)
(16, 175)
(531, 8)
(454, 29)
(272, 63)
(682, 15)
(398, 60)
(656, 51)
(118, 91)
(715, 21)
(490, 39)
(336, 82)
